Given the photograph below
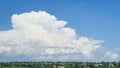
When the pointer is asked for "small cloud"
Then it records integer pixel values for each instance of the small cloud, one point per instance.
(112, 55)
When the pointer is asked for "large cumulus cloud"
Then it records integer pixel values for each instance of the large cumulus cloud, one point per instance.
(39, 35)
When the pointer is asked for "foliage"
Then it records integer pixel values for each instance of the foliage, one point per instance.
(60, 64)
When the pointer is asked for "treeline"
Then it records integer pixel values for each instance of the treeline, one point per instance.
(59, 64)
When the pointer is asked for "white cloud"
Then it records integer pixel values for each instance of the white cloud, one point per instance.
(4, 50)
(112, 55)
(40, 34)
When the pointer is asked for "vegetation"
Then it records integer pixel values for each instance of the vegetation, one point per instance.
(59, 64)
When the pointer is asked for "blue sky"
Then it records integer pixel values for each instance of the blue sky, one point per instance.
(97, 19)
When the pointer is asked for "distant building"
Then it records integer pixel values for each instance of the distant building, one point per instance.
(61, 66)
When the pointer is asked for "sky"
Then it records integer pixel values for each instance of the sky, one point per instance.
(41, 30)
